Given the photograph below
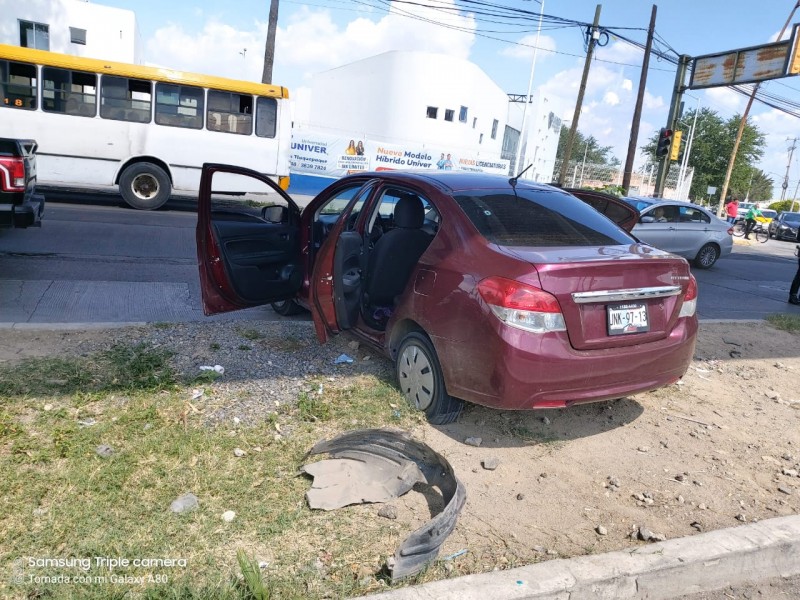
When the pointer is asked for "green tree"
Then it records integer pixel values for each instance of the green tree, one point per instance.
(760, 186)
(711, 149)
(595, 153)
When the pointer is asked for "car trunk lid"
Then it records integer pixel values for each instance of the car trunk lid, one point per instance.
(630, 295)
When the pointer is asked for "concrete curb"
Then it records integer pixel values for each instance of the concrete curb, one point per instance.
(704, 562)
(71, 326)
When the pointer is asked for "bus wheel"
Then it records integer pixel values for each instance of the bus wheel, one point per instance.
(145, 186)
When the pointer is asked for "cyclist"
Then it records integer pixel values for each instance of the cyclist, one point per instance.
(750, 220)
(795, 287)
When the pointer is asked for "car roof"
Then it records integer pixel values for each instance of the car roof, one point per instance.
(454, 181)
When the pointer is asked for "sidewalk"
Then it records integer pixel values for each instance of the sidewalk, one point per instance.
(704, 562)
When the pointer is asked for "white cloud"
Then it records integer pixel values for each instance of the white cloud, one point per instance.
(627, 85)
(525, 46)
(724, 100)
(311, 41)
(611, 98)
(653, 102)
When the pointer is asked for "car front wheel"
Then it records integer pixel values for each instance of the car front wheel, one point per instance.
(420, 378)
(707, 256)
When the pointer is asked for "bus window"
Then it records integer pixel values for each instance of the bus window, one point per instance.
(18, 84)
(123, 99)
(229, 112)
(179, 106)
(266, 117)
(69, 92)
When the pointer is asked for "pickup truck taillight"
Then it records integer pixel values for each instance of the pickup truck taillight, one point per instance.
(12, 174)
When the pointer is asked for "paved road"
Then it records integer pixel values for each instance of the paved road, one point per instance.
(99, 261)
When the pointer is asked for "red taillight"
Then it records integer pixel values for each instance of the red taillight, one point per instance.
(507, 293)
(730, 230)
(12, 174)
(691, 289)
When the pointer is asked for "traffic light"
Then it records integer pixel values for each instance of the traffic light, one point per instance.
(675, 150)
(664, 142)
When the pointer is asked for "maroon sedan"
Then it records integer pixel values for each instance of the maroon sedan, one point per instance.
(504, 293)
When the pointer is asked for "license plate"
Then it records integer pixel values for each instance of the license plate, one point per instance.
(627, 318)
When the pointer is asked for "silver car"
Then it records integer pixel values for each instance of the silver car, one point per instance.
(682, 228)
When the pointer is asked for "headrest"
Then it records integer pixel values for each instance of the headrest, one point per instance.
(409, 212)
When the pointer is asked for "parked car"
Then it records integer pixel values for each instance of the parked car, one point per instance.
(679, 227)
(784, 226)
(20, 205)
(507, 294)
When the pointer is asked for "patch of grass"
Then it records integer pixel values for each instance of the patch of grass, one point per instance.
(122, 368)
(790, 323)
(61, 498)
(288, 343)
(214, 346)
(250, 334)
(244, 347)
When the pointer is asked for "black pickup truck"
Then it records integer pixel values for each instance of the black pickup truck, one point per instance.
(20, 205)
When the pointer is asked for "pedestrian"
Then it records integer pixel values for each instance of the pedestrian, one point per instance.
(795, 287)
(750, 220)
(732, 209)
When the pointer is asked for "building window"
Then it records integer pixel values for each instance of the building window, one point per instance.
(34, 35)
(494, 129)
(474, 122)
(448, 114)
(462, 114)
(77, 36)
(433, 112)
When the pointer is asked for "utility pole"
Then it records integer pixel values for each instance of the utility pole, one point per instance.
(593, 37)
(738, 139)
(788, 165)
(269, 47)
(672, 118)
(523, 134)
(637, 112)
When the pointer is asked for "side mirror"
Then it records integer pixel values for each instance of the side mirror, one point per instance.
(647, 219)
(275, 214)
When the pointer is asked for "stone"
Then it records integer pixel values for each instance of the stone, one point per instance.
(643, 448)
(388, 512)
(490, 464)
(239, 453)
(601, 530)
(702, 506)
(520, 496)
(680, 477)
(680, 499)
(789, 472)
(228, 516)
(741, 517)
(785, 490)
(184, 503)
(545, 420)
(473, 441)
(104, 451)
(697, 525)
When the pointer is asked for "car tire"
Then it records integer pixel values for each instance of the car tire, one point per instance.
(145, 186)
(287, 308)
(420, 378)
(707, 256)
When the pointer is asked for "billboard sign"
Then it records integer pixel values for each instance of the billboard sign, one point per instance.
(747, 65)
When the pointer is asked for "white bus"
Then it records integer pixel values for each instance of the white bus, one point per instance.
(147, 130)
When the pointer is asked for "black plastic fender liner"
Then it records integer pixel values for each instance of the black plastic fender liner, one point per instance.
(382, 450)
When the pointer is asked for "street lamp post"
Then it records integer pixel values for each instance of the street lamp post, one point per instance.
(522, 134)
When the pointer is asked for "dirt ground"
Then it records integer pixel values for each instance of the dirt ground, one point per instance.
(718, 449)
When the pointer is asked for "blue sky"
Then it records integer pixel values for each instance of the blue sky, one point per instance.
(227, 38)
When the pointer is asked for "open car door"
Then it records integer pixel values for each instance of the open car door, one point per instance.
(248, 240)
(619, 211)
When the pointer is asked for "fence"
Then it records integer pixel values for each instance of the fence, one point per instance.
(643, 181)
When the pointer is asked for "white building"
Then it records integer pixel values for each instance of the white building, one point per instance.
(435, 102)
(71, 27)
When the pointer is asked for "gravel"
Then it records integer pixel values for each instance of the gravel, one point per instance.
(266, 363)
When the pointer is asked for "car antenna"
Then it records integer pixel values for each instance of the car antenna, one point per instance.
(513, 180)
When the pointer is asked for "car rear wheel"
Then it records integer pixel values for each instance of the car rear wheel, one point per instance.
(707, 256)
(145, 186)
(420, 378)
(287, 308)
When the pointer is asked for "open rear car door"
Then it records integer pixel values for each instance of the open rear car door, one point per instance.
(248, 240)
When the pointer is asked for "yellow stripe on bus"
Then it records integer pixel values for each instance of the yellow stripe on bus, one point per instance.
(92, 65)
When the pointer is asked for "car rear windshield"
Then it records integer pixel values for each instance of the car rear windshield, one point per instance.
(536, 218)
